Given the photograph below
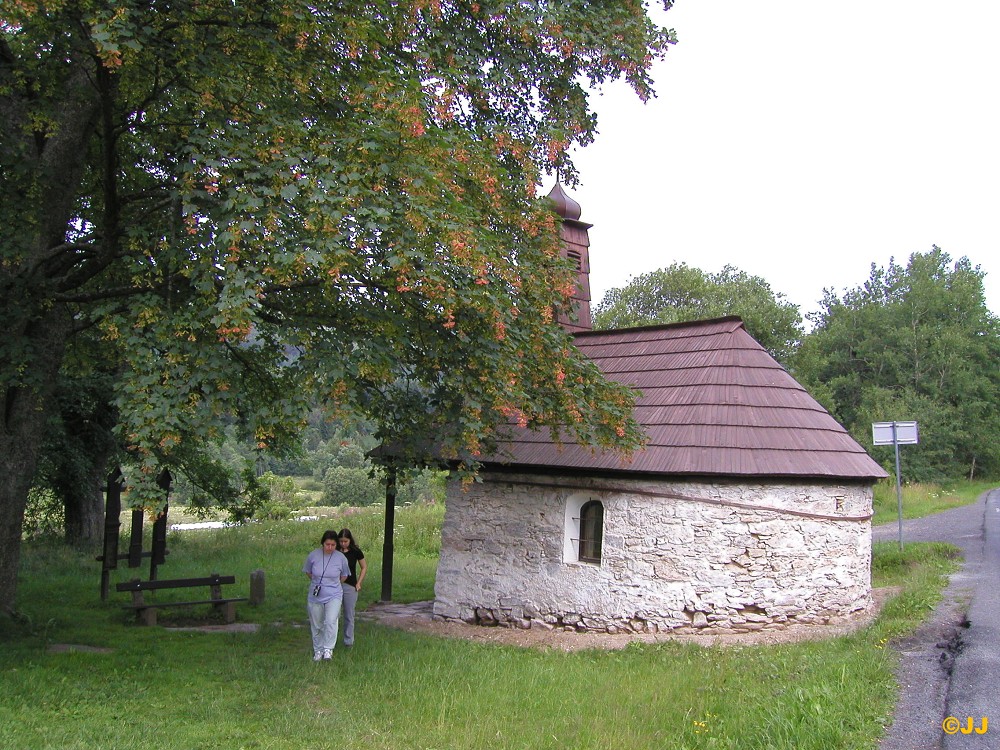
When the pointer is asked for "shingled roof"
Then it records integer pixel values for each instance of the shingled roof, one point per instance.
(713, 403)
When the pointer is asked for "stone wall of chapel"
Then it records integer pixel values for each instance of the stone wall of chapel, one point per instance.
(677, 556)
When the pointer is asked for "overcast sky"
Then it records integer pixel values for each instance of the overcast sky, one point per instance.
(801, 142)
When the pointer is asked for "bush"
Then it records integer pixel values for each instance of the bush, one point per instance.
(426, 487)
(44, 516)
(281, 497)
(360, 486)
(343, 485)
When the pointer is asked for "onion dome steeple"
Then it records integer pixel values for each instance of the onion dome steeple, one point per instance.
(576, 247)
(566, 207)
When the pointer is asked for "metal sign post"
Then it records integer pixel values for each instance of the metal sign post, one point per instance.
(896, 434)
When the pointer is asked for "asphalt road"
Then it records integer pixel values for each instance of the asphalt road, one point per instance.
(951, 667)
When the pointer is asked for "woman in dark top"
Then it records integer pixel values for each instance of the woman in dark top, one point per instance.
(352, 585)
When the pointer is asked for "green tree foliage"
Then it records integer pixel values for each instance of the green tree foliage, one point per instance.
(254, 204)
(348, 452)
(913, 343)
(281, 497)
(349, 477)
(352, 485)
(338, 466)
(218, 475)
(680, 293)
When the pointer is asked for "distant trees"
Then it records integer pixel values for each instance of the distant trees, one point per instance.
(341, 470)
(680, 293)
(913, 343)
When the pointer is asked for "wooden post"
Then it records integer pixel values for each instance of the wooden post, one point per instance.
(112, 526)
(257, 586)
(215, 588)
(158, 553)
(135, 540)
(387, 541)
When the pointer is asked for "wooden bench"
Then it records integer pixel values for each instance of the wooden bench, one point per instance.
(146, 611)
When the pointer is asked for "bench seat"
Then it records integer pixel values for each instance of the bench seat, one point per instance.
(146, 611)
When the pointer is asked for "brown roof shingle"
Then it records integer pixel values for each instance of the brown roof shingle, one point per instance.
(713, 402)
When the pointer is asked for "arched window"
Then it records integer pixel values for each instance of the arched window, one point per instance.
(591, 531)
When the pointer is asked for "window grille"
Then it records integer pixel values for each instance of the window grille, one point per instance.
(591, 531)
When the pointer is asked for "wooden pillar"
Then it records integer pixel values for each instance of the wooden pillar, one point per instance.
(158, 553)
(387, 541)
(135, 540)
(112, 526)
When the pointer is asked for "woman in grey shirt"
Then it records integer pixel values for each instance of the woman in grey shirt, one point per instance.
(326, 569)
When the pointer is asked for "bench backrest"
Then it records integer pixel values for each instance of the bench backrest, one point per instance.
(174, 583)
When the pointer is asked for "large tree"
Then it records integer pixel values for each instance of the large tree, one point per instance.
(252, 203)
(680, 293)
(914, 342)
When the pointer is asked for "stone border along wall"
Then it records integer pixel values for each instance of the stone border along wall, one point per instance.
(677, 556)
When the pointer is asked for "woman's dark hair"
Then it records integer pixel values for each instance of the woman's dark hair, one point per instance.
(328, 534)
(346, 534)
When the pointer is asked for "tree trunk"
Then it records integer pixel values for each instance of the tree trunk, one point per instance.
(81, 460)
(84, 509)
(21, 436)
(51, 162)
(13, 496)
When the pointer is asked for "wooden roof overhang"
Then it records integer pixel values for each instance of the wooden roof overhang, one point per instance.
(713, 404)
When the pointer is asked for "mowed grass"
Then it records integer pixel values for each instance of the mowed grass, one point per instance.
(161, 688)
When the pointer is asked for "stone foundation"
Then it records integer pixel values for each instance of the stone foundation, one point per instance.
(676, 556)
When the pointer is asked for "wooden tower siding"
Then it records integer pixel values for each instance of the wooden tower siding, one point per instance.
(576, 247)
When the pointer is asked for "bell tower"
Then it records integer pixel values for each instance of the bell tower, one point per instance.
(576, 247)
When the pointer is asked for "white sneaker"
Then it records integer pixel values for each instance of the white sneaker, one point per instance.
(317, 655)
(327, 653)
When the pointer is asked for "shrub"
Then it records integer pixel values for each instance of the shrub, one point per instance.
(281, 497)
(426, 487)
(44, 515)
(343, 485)
(359, 486)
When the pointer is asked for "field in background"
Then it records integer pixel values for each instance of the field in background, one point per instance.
(921, 500)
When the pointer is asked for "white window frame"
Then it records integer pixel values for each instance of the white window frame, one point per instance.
(571, 532)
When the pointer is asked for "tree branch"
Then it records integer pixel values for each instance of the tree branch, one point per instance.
(105, 294)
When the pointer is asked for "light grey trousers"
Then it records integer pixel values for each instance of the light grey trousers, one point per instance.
(350, 601)
(323, 620)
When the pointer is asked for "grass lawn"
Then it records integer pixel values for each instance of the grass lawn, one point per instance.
(161, 688)
(919, 500)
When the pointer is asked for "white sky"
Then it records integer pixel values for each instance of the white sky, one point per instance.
(801, 142)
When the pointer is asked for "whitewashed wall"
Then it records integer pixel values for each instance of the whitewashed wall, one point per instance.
(676, 556)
